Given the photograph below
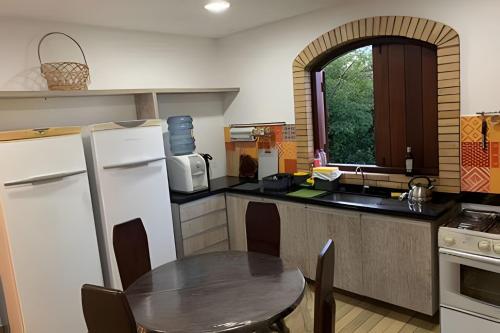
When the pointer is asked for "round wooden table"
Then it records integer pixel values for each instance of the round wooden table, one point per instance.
(216, 292)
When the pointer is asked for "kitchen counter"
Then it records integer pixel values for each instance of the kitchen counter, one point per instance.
(217, 185)
(441, 203)
(379, 240)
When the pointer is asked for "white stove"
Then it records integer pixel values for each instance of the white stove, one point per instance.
(469, 264)
(474, 231)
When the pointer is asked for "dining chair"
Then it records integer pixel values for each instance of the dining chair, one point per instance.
(130, 243)
(107, 310)
(324, 301)
(262, 223)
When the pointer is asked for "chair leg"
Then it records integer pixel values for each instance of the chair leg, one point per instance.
(282, 328)
(279, 327)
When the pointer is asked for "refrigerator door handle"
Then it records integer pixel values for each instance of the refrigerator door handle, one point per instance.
(133, 164)
(44, 178)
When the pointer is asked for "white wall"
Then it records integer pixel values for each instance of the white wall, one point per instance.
(117, 58)
(57, 112)
(259, 60)
(207, 111)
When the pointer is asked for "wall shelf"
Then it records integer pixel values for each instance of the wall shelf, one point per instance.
(146, 100)
(113, 92)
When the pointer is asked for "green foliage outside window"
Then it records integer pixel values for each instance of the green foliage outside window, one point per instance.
(349, 101)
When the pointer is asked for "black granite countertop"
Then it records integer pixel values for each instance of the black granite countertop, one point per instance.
(217, 185)
(440, 204)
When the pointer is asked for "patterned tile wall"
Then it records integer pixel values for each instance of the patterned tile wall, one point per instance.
(281, 138)
(480, 166)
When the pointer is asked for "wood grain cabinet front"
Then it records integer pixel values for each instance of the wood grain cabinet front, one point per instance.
(293, 240)
(200, 226)
(399, 262)
(293, 236)
(344, 228)
(383, 257)
(236, 210)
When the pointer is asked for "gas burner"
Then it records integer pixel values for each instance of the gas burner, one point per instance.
(495, 229)
(472, 214)
(476, 220)
(478, 214)
(475, 230)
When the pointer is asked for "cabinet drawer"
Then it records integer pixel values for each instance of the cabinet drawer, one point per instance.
(201, 207)
(202, 241)
(222, 246)
(203, 223)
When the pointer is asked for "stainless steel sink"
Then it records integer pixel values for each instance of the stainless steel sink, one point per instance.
(360, 190)
(352, 199)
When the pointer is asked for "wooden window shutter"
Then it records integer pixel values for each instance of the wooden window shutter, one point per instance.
(381, 117)
(320, 116)
(405, 93)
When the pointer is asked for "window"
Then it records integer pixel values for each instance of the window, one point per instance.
(375, 98)
(349, 101)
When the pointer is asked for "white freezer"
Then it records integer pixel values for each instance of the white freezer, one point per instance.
(129, 178)
(47, 231)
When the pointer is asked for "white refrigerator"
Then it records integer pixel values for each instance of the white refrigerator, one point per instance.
(129, 180)
(48, 241)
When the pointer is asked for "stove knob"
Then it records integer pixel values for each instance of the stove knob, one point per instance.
(496, 248)
(449, 240)
(484, 246)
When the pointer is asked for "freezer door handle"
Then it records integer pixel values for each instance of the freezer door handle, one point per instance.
(133, 164)
(44, 178)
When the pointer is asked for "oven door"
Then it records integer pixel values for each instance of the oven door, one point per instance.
(470, 282)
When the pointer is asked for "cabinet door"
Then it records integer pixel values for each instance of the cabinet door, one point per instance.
(236, 209)
(398, 262)
(293, 240)
(344, 228)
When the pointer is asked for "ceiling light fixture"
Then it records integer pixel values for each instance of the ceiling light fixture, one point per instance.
(217, 6)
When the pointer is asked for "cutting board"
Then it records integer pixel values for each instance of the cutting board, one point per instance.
(306, 193)
(268, 162)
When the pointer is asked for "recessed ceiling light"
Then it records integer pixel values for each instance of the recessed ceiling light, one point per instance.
(217, 6)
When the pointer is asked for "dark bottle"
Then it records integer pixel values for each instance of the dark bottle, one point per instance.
(408, 162)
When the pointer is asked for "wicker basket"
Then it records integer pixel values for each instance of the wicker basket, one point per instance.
(65, 75)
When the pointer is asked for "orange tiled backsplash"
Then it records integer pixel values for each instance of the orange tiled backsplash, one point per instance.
(282, 138)
(480, 167)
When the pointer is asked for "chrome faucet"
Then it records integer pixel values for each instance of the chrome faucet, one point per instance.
(359, 169)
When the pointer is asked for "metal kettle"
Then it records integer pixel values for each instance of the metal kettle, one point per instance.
(420, 192)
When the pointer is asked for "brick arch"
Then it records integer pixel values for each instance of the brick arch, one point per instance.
(448, 56)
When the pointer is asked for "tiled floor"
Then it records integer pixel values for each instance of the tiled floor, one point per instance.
(359, 316)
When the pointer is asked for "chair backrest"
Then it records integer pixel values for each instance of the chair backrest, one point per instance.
(262, 221)
(324, 302)
(130, 243)
(107, 310)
